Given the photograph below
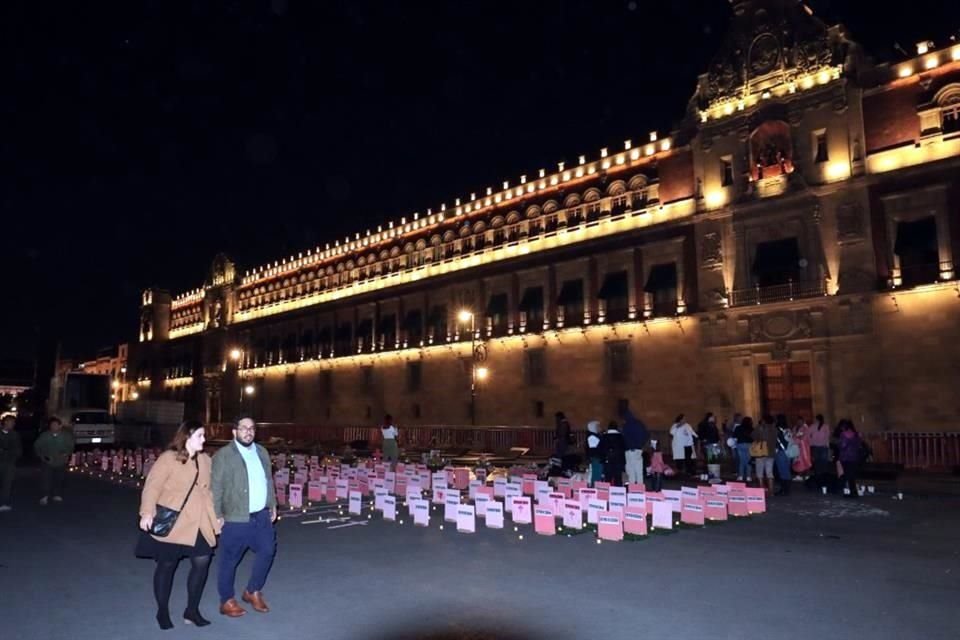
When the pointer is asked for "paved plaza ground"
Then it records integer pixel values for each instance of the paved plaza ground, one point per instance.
(813, 567)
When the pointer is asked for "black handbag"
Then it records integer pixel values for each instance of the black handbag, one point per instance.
(166, 517)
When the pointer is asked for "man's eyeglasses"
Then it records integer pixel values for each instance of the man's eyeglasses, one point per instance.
(245, 428)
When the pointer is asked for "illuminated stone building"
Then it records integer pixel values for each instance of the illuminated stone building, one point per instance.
(789, 248)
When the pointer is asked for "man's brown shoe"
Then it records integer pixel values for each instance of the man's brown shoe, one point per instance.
(256, 600)
(232, 609)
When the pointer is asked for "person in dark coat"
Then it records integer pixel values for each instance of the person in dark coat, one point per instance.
(561, 435)
(615, 449)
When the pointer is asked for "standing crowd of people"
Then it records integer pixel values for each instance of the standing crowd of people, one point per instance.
(773, 452)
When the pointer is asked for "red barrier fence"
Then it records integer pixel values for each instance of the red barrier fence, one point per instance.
(912, 450)
(488, 439)
(916, 450)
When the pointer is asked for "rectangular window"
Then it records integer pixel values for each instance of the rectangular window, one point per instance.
(538, 408)
(413, 376)
(571, 301)
(623, 404)
(661, 289)
(366, 379)
(535, 361)
(726, 171)
(532, 305)
(618, 361)
(497, 310)
(416, 411)
(777, 262)
(820, 144)
(614, 293)
(917, 248)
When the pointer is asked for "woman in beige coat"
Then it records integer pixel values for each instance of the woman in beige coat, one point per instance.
(182, 472)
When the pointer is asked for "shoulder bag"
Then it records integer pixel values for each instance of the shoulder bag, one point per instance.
(166, 517)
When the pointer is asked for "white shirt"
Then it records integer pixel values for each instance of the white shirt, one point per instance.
(256, 478)
(389, 433)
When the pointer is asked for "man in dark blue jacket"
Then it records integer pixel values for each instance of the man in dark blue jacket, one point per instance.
(635, 436)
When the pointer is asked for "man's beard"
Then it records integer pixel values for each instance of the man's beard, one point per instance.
(245, 444)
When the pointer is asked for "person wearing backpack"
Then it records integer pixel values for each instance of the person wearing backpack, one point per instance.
(787, 450)
(764, 449)
(744, 435)
(852, 454)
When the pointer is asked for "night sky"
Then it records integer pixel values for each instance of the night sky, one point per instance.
(140, 138)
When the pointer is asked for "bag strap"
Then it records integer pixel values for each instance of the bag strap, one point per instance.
(192, 485)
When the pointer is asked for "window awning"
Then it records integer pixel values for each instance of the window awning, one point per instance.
(571, 292)
(662, 276)
(365, 327)
(916, 236)
(532, 299)
(777, 256)
(614, 286)
(413, 320)
(437, 314)
(497, 305)
(388, 324)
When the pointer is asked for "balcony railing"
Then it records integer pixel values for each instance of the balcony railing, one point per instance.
(778, 293)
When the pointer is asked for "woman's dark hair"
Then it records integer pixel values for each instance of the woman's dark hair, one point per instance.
(707, 417)
(679, 418)
(846, 425)
(820, 419)
(746, 423)
(781, 421)
(179, 442)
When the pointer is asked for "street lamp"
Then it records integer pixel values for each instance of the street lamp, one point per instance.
(249, 389)
(134, 395)
(478, 353)
(235, 354)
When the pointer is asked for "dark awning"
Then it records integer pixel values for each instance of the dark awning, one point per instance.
(497, 305)
(916, 236)
(365, 327)
(413, 320)
(614, 286)
(571, 292)
(777, 255)
(662, 276)
(388, 324)
(532, 299)
(437, 314)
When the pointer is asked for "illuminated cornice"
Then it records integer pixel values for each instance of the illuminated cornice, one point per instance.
(545, 183)
(601, 228)
(187, 298)
(614, 331)
(779, 85)
(184, 381)
(186, 330)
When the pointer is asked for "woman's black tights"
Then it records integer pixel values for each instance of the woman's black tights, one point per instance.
(163, 583)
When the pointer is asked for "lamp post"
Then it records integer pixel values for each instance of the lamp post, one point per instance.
(478, 353)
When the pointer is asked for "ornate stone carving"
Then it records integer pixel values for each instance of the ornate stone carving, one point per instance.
(711, 250)
(765, 54)
(780, 350)
(849, 223)
(781, 326)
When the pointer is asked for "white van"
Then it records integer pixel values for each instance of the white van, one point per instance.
(91, 426)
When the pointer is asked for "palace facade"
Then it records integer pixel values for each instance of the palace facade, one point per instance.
(789, 249)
